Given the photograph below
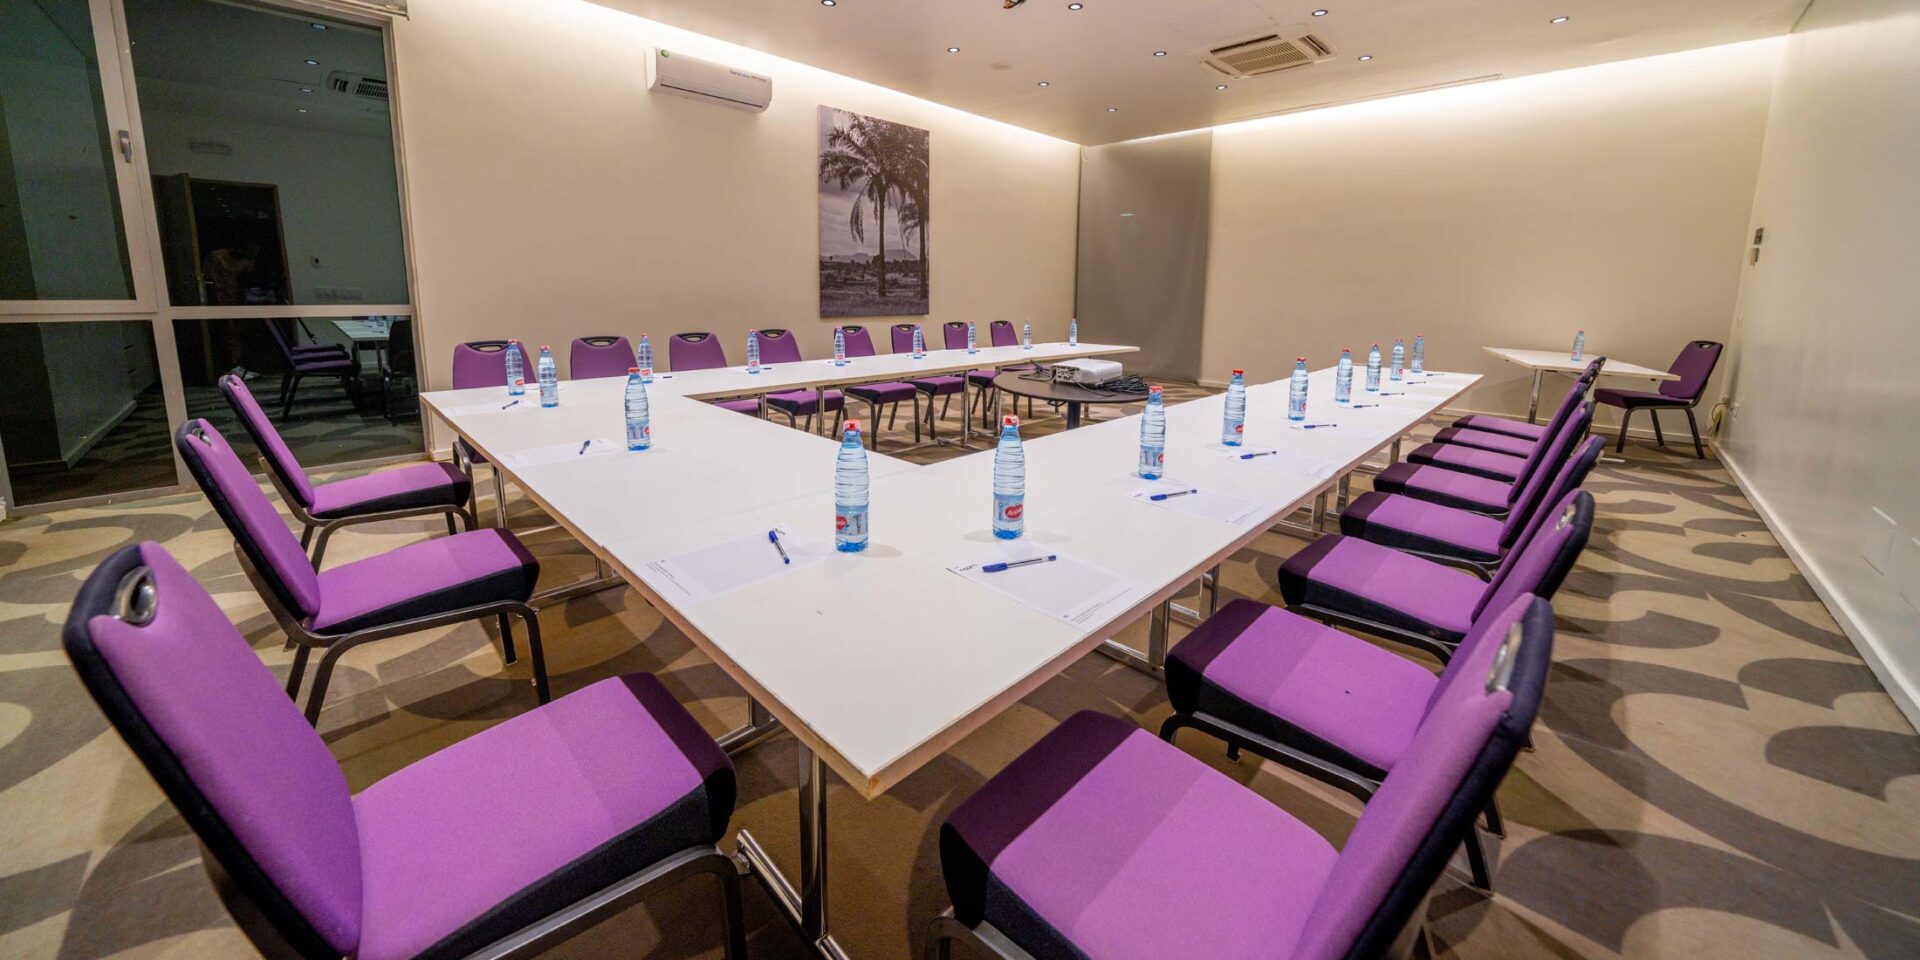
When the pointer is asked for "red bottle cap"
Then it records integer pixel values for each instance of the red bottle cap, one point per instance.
(1009, 421)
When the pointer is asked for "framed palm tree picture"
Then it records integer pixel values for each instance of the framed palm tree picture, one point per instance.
(874, 186)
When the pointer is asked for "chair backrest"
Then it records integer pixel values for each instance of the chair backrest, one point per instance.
(228, 747)
(695, 351)
(859, 341)
(1568, 405)
(398, 357)
(1534, 489)
(779, 346)
(281, 340)
(599, 356)
(481, 363)
(1543, 554)
(1473, 728)
(1592, 372)
(1694, 365)
(954, 332)
(1572, 473)
(254, 420)
(903, 337)
(1002, 334)
(256, 526)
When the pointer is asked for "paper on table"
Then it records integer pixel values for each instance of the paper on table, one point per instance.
(730, 565)
(1213, 505)
(559, 453)
(1290, 462)
(1066, 589)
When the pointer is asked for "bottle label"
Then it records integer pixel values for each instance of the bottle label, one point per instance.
(1239, 428)
(1012, 511)
(850, 523)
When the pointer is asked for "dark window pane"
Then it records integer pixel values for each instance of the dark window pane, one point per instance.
(83, 415)
(61, 236)
(274, 177)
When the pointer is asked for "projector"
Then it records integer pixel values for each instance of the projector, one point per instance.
(1086, 373)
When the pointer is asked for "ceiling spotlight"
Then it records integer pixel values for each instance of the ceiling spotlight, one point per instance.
(953, 49)
(317, 26)
(1365, 57)
(1045, 84)
(826, 3)
(1159, 53)
(303, 109)
(1559, 20)
(313, 63)
(1221, 87)
(306, 89)
(1320, 13)
(1075, 6)
(1113, 109)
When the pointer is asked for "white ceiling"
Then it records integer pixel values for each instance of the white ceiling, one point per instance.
(1102, 55)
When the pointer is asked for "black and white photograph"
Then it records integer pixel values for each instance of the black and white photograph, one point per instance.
(874, 226)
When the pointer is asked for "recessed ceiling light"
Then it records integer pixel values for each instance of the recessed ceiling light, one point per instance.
(313, 63)
(1159, 53)
(826, 3)
(1559, 20)
(306, 89)
(1113, 109)
(1319, 13)
(1365, 57)
(1075, 6)
(1221, 87)
(317, 26)
(1045, 84)
(953, 49)
(303, 109)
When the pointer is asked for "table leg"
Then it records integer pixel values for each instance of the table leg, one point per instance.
(1073, 415)
(806, 907)
(1533, 401)
(820, 408)
(966, 409)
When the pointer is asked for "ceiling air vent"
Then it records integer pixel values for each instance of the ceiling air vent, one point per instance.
(1267, 54)
(353, 84)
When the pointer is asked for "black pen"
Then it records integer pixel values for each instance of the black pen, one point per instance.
(510, 403)
(584, 444)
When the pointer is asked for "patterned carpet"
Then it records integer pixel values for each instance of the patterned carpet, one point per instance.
(1716, 773)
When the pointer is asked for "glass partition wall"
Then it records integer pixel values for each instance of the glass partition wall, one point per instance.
(188, 189)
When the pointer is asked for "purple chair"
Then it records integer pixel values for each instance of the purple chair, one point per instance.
(1350, 582)
(1002, 333)
(330, 362)
(1488, 423)
(599, 356)
(1693, 366)
(702, 351)
(476, 364)
(605, 795)
(1442, 473)
(432, 583)
(931, 387)
(1462, 538)
(410, 491)
(781, 346)
(1105, 841)
(1327, 704)
(877, 395)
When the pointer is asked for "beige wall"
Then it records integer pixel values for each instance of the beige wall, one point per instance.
(1826, 395)
(552, 196)
(1611, 198)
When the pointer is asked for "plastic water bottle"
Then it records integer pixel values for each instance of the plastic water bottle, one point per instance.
(1579, 345)
(971, 347)
(839, 347)
(919, 343)
(1419, 354)
(1399, 360)
(639, 433)
(1235, 427)
(549, 378)
(850, 492)
(643, 358)
(1153, 437)
(753, 351)
(1373, 369)
(1026, 336)
(1297, 391)
(1009, 482)
(1073, 332)
(1343, 377)
(516, 370)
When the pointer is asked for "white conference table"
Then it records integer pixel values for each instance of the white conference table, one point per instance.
(1542, 362)
(880, 661)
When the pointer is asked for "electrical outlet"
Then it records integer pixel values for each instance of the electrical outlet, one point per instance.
(1877, 546)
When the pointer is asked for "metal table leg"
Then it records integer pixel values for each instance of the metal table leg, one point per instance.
(806, 907)
(1533, 400)
(820, 408)
(1154, 662)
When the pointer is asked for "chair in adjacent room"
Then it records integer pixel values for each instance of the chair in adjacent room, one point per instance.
(398, 366)
(476, 364)
(430, 583)
(930, 387)
(333, 364)
(702, 351)
(599, 356)
(1104, 841)
(504, 844)
(781, 346)
(420, 489)
(1349, 582)
(878, 395)
(1693, 366)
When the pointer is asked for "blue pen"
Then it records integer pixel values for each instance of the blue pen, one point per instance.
(1396, 393)
(1263, 453)
(773, 537)
(511, 403)
(1168, 496)
(584, 444)
(1363, 406)
(1317, 426)
(997, 567)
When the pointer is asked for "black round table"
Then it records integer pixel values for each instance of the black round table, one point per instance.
(1072, 395)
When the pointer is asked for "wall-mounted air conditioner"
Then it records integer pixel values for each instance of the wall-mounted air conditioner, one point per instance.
(697, 79)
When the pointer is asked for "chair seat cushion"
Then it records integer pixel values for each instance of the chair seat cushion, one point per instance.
(1485, 440)
(1449, 487)
(1510, 427)
(1405, 523)
(1481, 463)
(1104, 841)
(1366, 581)
(746, 405)
(1635, 398)
(1301, 684)
(982, 378)
(803, 402)
(939, 386)
(425, 578)
(509, 825)
(894, 392)
(419, 485)
(321, 363)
